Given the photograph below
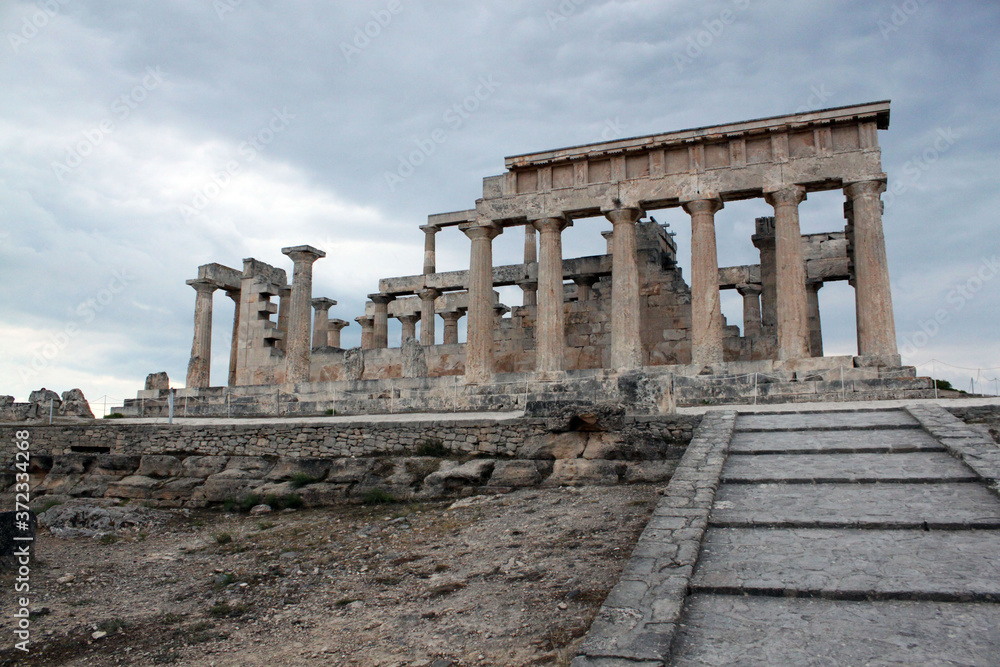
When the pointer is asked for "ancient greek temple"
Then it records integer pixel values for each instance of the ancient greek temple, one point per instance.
(591, 319)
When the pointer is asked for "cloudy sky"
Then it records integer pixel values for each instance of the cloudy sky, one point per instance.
(141, 139)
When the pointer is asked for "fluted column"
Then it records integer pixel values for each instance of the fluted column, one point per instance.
(199, 368)
(706, 309)
(334, 327)
(430, 254)
(529, 289)
(479, 343)
(815, 325)
(626, 341)
(790, 273)
(297, 345)
(550, 330)
(751, 309)
(450, 332)
(409, 323)
(380, 313)
(427, 320)
(367, 331)
(321, 320)
(234, 348)
(876, 324)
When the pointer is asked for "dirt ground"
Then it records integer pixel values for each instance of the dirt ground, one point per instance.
(489, 580)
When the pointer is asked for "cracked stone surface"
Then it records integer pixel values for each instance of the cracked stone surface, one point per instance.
(929, 466)
(790, 442)
(801, 420)
(738, 630)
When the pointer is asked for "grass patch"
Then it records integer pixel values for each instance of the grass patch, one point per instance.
(112, 626)
(224, 581)
(301, 479)
(108, 538)
(432, 447)
(265, 525)
(290, 501)
(377, 497)
(223, 538)
(225, 610)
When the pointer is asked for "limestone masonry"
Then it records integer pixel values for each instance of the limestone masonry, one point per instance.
(584, 323)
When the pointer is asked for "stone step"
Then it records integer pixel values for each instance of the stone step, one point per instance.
(833, 441)
(872, 506)
(923, 467)
(848, 564)
(761, 631)
(785, 421)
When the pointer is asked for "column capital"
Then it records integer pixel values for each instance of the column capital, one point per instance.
(234, 295)
(551, 225)
(303, 253)
(451, 315)
(322, 303)
(364, 320)
(749, 289)
(430, 229)
(858, 189)
(791, 195)
(620, 216)
(408, 317)
(588, 279)
(475, 230)
(814, 285)
(429, 293)
(710, 205)
(201, 285)
(338, 324)
(381, 299)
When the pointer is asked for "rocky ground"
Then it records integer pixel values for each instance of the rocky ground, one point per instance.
(488, 580)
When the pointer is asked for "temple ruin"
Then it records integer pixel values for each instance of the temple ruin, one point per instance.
(623, 325)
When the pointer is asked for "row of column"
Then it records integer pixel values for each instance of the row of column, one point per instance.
(409, 322)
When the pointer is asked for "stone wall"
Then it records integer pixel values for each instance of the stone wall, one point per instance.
(987, 415)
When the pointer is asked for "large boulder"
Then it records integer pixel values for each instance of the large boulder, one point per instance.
(453, 477)
(44, 397)
(74, 404)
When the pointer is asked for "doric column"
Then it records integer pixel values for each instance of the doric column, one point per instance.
(763, 240)
(367, 331)
(380, 330)
(479, 343)
(706, 310)
(427, 298)
(199, 367)
(409, 323)
(584, 287)
(550, 330)
(334, 328)
(609, 241)
(790, 273)
(876, 324)
(297, 342)
(235, 346)
(450, 333)
(529, 288)
(751, 308)
(430, 254)
(321, 320)
(815, 326)
(284, 307)
(626, 342)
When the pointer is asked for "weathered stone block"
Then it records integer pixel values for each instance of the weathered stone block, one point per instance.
(203, 466)
(579, 472)
(159, 465)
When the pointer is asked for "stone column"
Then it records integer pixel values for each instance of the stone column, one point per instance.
(334, 328)
(427, 298)
(284, 306)
(626, 341)
(584, 287)
(706, 310)
(451, 319)
(529, 288)
(790, 273)
(430, 254)
(367, 331)
(764, 241)
(321, 320)
(297, 341)
(199, 367)
(234, 349)
(815, 326)
(380, 331)
(550, 330)
(499, 310)
(479, 344)
(609, 241)
(876, 324)
(751, 309)
(409, 323)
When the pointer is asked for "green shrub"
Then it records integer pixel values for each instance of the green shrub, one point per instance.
(290, 501)
(943, 385)
(223, 538)
(301, 479)
(108, 538)
(330, 412)
(432, 447)
(114, 415)
(378, 497)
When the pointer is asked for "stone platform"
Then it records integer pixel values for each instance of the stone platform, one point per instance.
(816, 539)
